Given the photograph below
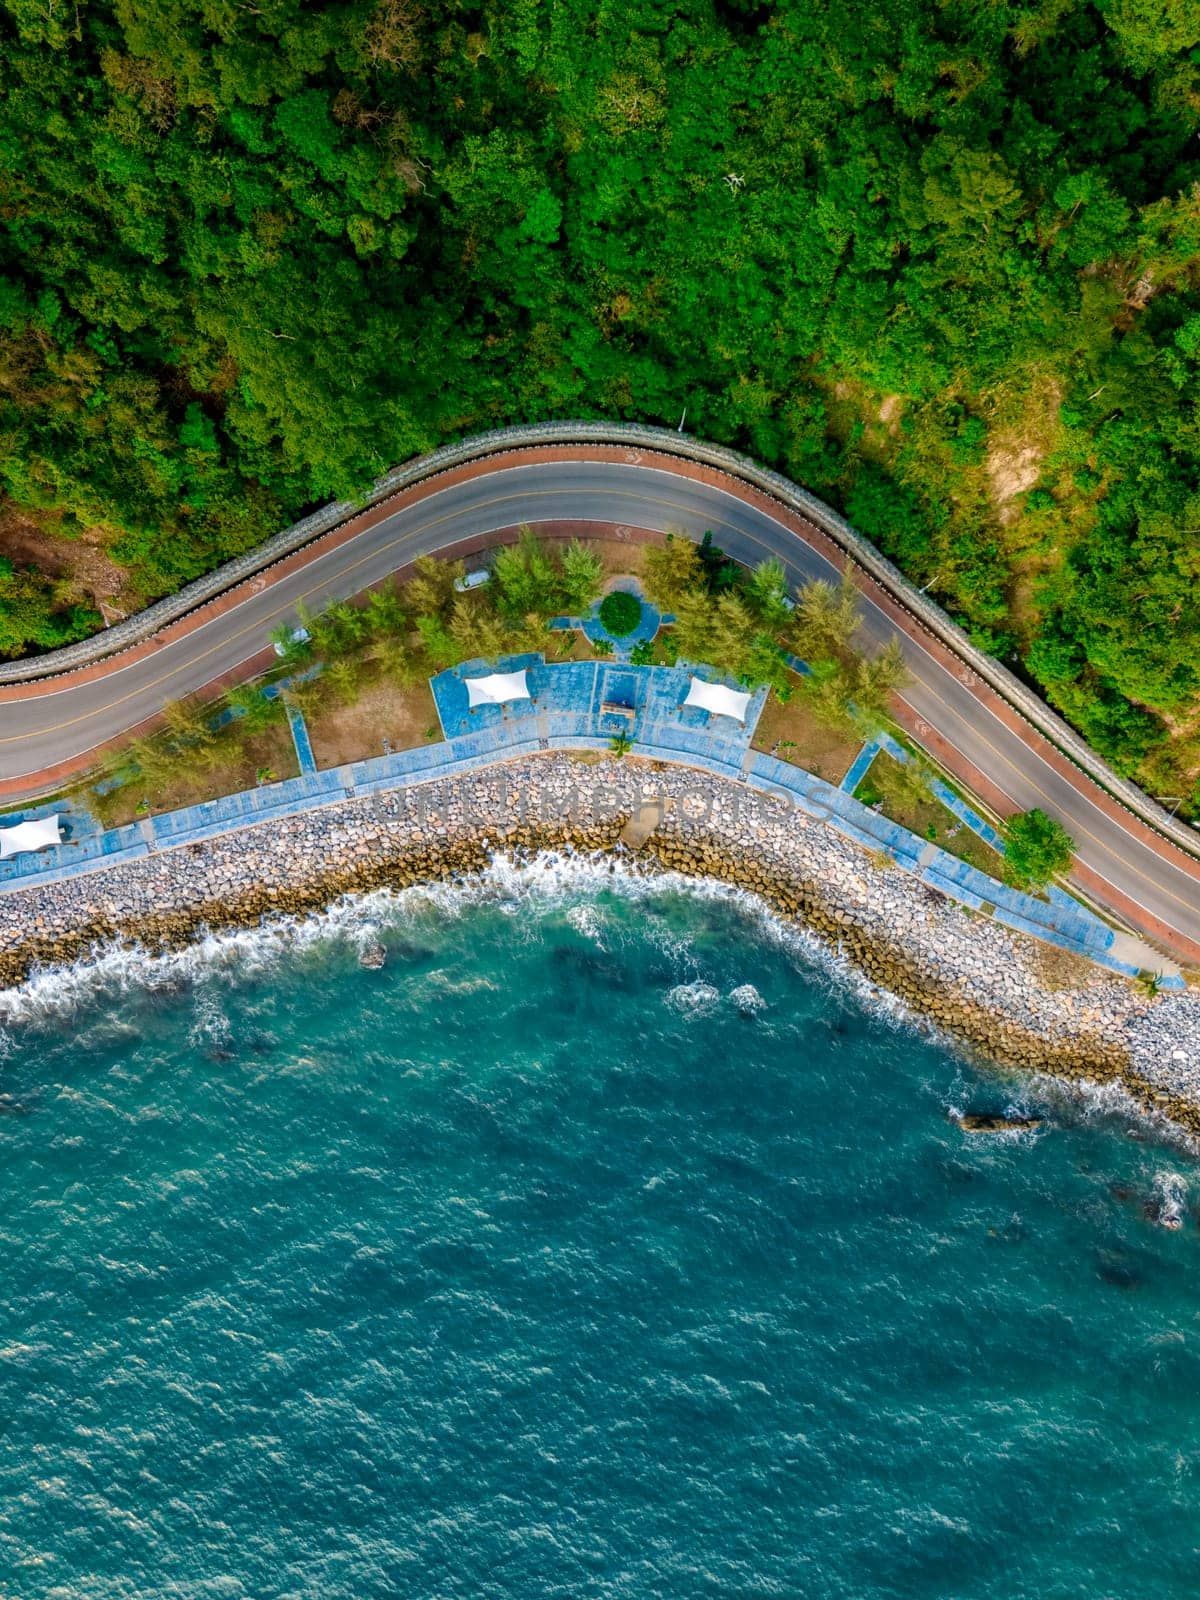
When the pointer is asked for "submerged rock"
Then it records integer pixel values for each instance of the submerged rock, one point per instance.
(992, 1122)
(1112, 1269)
(373, 957)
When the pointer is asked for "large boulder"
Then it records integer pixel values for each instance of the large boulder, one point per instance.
(993, 1122)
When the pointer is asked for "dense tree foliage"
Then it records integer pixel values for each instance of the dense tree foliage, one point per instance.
(1037, 849)
(937, 262)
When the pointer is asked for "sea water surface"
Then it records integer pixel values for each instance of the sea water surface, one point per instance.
(608, 1242)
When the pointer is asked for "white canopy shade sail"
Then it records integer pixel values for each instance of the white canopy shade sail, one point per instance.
(497, 688)
(715, 697)
(29, 836)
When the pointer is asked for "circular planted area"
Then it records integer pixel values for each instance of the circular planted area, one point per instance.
(620, 613)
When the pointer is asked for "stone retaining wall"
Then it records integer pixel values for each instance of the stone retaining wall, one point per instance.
(925, 612)
(983, 985)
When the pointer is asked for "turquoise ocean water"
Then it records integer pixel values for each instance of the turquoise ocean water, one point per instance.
(605, 1243)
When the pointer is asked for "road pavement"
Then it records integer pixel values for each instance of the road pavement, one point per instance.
(50, 725)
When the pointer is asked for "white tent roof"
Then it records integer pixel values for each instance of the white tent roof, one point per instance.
(496, 688)
(29, 836)
(715, 697)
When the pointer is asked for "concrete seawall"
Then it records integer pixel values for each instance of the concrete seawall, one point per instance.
(1019, 1002)
(924, 612)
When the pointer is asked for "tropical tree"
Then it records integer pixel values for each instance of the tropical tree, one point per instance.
(385, 611)
(828, 689)
(1036, 849)
(826, 617)
(430, 591)
(672, 571)
(344, 678)
(872, 680)
(396, 660)
(582, 573)
(254, 711)
(438, 643)
(527, 579)
(477, 631)
(905, 783)
(188, 728)
(767, 594)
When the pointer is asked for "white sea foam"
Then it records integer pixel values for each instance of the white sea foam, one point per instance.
(554, 880)
(588, 921)
(1171, 1191)
(695, 999)
(746, 998)
(1091, 1101)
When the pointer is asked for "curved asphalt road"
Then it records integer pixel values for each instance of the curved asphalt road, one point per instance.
(47, 726)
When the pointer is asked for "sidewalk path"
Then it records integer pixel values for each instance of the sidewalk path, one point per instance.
(47, 729)
(567, 712)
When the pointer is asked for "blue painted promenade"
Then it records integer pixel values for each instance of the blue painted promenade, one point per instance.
(576, 705)
(623, 645)
(305, 759)
(595, 699)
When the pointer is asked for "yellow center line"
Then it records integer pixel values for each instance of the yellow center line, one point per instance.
(662, 503)
(258, 625)
(1105, 849)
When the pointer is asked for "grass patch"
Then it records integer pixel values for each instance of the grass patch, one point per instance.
(928, 818)
(795, 735)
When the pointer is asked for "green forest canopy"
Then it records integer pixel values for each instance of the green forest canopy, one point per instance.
(938, 262)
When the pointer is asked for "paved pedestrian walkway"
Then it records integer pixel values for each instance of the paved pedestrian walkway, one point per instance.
(305, 759)
(623, 644)
(580, 705)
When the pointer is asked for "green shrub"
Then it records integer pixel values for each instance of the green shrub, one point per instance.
(620, 613)
(1036, 848)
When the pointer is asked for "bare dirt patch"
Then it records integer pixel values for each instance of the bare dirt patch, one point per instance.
(792, 733)
(1013, 470)
(236, 766)
(341, 733)
(1026, 428)
(31, 539)
(1060, 970)
(618, 557)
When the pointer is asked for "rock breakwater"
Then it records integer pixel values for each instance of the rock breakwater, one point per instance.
(1021, 1003)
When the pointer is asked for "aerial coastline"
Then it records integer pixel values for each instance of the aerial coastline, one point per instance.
(1011, 999)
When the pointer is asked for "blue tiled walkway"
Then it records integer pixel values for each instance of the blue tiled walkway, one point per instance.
(859, 766)
(575, 706)
(305, 759)
(576, 699)
(648, 625)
